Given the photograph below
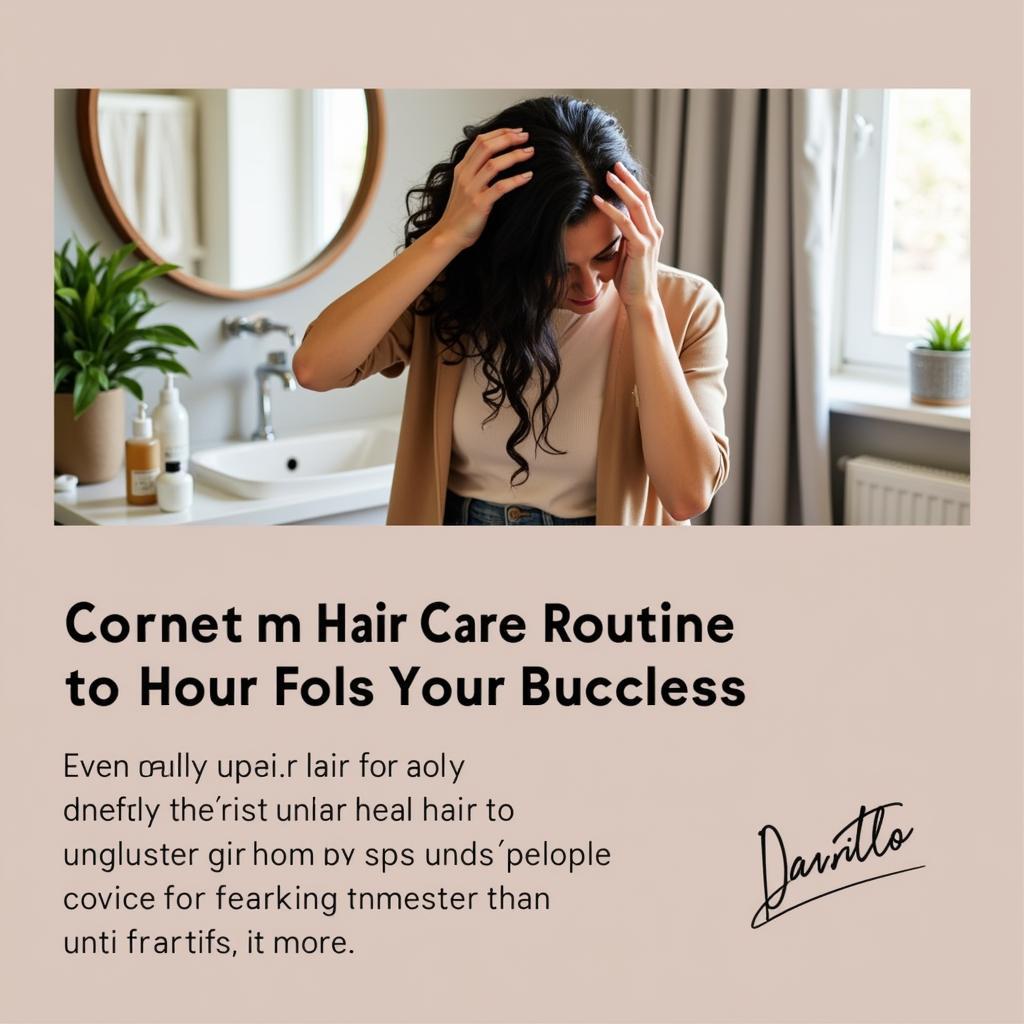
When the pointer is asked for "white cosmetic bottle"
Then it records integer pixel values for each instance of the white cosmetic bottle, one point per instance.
(170, 424)
(174, 488)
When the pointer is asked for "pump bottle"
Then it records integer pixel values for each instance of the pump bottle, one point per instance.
(141, 460)
(170, 424)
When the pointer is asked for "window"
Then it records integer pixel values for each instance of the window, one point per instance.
(340, 133)
(906, 211)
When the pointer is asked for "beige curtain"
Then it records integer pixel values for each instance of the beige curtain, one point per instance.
(746, 185)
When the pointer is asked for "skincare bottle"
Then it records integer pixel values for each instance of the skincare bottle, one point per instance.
(170, 424)
(173, 488)
(141, 460)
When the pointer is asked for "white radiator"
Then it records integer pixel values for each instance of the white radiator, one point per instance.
(880, 492)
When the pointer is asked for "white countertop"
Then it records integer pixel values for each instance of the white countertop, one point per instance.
(104, 505)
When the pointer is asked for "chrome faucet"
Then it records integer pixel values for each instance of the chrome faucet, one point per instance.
(278, 365)
(258, 324)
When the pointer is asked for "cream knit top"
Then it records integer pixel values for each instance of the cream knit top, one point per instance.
(696, 319)
(564, 485)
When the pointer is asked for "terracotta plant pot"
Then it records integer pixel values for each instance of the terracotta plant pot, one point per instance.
(91, 447)
(938, 377)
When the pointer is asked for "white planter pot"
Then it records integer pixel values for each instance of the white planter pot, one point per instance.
(939, 378)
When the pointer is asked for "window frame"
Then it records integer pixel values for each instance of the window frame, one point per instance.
(859, 347)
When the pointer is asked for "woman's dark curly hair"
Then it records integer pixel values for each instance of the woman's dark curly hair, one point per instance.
(494, 300)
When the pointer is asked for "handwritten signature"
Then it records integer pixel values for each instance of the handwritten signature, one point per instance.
(860, 839)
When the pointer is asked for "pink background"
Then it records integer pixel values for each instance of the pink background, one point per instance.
(880, 664)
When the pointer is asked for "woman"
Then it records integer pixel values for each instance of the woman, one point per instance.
(559, 373)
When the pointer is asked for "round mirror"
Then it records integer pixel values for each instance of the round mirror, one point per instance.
(249, 191)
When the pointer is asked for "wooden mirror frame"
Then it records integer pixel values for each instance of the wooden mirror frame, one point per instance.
(89, 144)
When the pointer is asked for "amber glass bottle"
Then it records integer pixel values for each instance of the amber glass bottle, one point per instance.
(141, 460)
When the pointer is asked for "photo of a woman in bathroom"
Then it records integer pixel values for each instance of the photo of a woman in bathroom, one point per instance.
(515, 307)
(559, 373)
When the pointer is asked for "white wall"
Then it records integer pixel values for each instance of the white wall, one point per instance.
(421, 126)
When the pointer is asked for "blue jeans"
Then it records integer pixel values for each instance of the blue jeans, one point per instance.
(460, 511)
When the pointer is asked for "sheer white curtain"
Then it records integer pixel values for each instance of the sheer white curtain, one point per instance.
(148, 144)
(746, 184)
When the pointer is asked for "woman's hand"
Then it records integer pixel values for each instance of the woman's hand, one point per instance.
(636, 278)
(472, 194)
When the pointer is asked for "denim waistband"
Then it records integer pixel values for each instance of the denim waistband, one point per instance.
(460, 511)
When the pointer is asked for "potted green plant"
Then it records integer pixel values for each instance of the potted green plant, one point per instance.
(940, 364)
(99, 346)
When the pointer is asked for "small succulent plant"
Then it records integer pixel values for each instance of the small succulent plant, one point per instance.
(946, 338)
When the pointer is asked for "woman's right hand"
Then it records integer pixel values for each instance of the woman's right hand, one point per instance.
(473, 195)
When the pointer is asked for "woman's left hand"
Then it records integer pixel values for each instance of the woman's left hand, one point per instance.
(636, 277)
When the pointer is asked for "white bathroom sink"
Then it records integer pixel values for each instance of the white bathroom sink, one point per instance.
(350, 459)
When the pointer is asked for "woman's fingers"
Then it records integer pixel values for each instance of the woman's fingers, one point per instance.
(634, 203)
(627, 176)
(499, 188)
(624, 221)
(491, 169)
(487, 145)
(470, 200)
(495, 133)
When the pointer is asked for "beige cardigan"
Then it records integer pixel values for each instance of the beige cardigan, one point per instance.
(696, 315)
